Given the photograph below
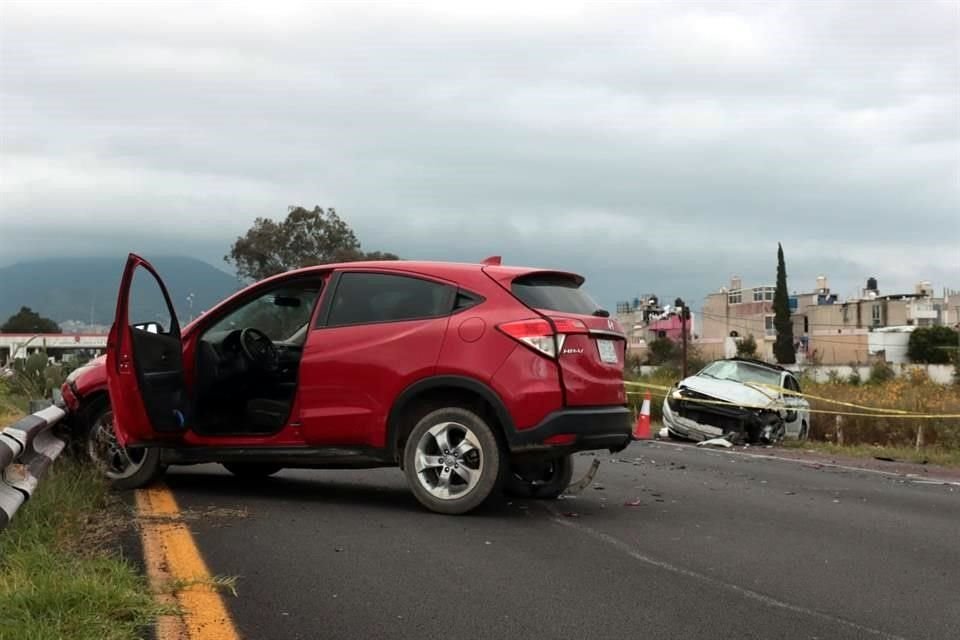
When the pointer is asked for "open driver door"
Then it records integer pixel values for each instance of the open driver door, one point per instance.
(145, 362)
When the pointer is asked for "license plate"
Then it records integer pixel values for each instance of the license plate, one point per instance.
(608, 351)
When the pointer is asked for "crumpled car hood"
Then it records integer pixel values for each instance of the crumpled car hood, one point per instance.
(729, 390)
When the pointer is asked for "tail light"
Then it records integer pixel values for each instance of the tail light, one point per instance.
(539, 333)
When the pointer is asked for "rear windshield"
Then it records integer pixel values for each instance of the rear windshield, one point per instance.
(554, 293)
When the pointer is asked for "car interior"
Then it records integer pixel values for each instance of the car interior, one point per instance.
(247, 362)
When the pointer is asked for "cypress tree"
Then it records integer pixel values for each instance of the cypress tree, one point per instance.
(783, 347)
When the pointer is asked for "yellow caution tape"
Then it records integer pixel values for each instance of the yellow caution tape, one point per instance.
(797, 394)
(891, 413)
(772, 387)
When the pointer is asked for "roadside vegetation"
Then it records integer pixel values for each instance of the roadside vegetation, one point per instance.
(914, 392)
(62, 574)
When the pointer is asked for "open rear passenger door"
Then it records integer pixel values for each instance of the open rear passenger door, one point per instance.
(145, 361)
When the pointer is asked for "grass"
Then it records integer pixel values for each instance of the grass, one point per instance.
(915, 393)
(61, 575)
(927, 455)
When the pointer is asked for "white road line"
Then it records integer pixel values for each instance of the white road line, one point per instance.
(626, 548)
(832, 465)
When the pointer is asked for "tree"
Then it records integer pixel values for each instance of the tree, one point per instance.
(783, 347)
(747, 348)
(29, 321)
(932, 345)
(305, 237)
(663, 351)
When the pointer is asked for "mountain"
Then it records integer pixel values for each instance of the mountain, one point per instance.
(85, 289)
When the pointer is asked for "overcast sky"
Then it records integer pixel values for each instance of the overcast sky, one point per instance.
(652, 147)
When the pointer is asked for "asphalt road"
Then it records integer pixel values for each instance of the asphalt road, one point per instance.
(720, 545)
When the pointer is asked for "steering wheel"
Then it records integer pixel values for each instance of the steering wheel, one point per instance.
(259, 349)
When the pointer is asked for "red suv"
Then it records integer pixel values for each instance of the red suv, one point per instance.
(469, 377)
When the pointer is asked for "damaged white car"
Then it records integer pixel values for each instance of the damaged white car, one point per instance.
(738, 399)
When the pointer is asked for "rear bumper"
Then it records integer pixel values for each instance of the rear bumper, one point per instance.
(590, 429)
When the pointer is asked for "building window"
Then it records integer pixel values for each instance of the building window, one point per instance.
(768, 326)
(763, 293)
(876, 315)
(735, 297)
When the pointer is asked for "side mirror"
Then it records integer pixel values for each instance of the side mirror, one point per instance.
(149, 327)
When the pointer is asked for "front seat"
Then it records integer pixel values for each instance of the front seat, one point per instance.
(265, 415)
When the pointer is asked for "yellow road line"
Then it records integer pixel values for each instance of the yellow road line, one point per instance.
(171, 556)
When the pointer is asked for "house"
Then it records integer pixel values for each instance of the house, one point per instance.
(825, 329)
(737, 312)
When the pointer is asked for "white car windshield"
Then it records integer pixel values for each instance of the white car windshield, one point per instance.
(741, 372)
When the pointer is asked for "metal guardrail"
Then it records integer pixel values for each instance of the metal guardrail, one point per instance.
(27, 448)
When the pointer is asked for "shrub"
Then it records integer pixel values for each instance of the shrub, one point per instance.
(932, 345)
(747, 348)
(854, 378)
(881, 372)
(663, 350)
(35, 378)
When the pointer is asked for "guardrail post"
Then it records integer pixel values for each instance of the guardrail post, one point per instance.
(10, 501)
(27, 448)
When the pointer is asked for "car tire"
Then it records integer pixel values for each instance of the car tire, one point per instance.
(251, 470)
(771, 432)
(123, 468)
(542, 480)
(452, 460)
(804, 431)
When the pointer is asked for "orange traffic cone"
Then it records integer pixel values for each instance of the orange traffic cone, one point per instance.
(641, 431)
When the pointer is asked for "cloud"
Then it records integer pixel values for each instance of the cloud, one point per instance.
(654, 147)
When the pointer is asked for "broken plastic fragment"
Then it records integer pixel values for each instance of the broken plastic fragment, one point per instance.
(715, 442)
(584, 482)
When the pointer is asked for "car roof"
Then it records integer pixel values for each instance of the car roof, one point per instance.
(760, 363)
(447, 270)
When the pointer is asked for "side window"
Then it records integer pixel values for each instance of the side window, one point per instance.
(791, 383)
(281, 313)
(363, 298)
(465, 300)
(147, 308)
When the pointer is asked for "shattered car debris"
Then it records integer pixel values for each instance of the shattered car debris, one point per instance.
(739, 399)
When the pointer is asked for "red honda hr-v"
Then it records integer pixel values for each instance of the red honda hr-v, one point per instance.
(469, 377)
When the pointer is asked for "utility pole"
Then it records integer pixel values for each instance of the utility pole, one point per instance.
(683, 339)
(684, 312)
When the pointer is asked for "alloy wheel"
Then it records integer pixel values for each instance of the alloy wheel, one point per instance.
(449, 460)
(104, 450)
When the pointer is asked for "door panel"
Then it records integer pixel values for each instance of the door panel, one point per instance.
(160, 372)
(145, 360)
(378, 334)
(794, 405)
(349, 377)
